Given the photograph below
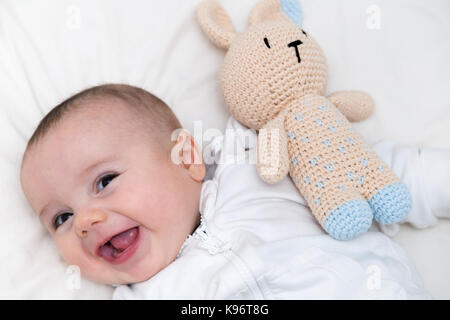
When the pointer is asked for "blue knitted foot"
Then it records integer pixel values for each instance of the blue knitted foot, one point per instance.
(391, 204)
(349, 220)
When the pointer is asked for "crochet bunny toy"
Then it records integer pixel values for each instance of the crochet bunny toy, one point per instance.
(273, 80)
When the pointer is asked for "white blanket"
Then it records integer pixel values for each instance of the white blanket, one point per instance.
(260, 241)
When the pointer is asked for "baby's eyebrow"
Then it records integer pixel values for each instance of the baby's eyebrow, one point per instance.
(83, 172)
(91, 167)
(42, 211)
(96, 164)
(45, 210)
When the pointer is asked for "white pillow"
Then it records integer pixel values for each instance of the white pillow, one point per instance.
(51, 49)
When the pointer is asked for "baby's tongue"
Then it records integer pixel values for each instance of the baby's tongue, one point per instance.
(125, 239)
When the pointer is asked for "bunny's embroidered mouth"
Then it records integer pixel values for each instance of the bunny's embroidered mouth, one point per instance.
(295, 44)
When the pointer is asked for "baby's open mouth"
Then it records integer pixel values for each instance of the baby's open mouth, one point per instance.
(120, 247)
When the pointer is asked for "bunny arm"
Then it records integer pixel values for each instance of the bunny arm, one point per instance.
(355, 105)
(273, 157)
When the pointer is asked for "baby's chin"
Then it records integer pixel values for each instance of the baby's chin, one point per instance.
(144, 269)
(138, 274)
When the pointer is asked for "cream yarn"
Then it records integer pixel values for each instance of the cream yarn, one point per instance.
(273, 79)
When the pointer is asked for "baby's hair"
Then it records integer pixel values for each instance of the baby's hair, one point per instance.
(161, 116)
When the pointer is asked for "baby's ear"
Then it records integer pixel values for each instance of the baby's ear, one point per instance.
(284, 10)
(186, 152)
(215, 22)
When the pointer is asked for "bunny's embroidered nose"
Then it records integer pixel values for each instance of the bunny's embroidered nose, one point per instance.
(295, 44)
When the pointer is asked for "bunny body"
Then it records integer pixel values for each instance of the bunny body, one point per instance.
(273, 79)
(335, 170)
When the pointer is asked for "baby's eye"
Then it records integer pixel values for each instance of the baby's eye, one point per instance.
(267, 43)
(61, 218)
(304, 33)
(104, 181)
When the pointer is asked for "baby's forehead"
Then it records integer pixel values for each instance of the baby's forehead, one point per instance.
(95, 122)
(107, 116)
(106, 109)
(96, 131)
(90, 126)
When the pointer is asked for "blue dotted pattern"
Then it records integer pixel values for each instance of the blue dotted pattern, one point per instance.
(391, 204)
(349, 220)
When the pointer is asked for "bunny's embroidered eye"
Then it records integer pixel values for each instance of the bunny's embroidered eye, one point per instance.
(304, 33)
(267, 42)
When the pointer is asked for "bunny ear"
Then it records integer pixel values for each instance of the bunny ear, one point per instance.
(266, 10)
(276, 10)
(216, 23)
(292, 9)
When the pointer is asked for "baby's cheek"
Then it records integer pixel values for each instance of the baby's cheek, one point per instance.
(161, 198)
(179, 204)
(73, 254)
(163, 202)
(162, 210)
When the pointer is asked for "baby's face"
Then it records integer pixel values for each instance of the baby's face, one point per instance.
(99, 176)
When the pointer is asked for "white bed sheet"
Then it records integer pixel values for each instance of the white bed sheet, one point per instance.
(50, 49)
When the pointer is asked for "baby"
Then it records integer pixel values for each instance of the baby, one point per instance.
(122, 190)
(99, 174)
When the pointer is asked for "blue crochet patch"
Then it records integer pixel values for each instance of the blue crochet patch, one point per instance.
(391, 204)
(349, 220)
(292, 9)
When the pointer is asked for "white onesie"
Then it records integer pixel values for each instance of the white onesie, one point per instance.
(260, 241)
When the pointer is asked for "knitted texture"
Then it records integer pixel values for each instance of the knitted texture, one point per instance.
(264, 10)
(273, 79)
(330, 163)
(273, 155)
(257, 82)
(349, 219)
(355, 105)
(391, 204)
(292, 9)
(211, 15)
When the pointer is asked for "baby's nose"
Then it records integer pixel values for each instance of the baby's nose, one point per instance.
(86, 219)
(295, 44)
